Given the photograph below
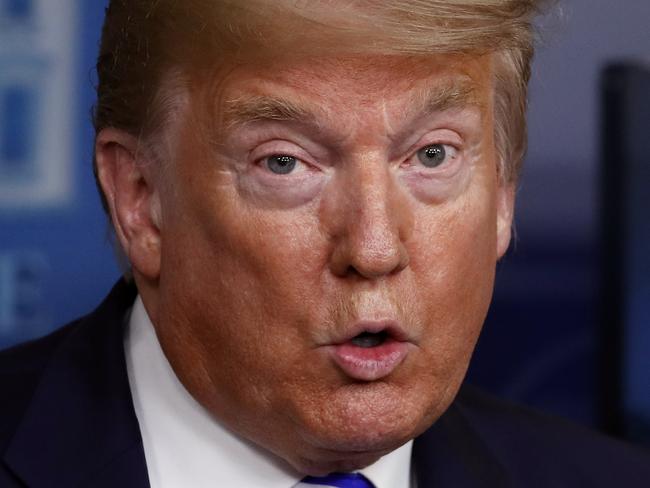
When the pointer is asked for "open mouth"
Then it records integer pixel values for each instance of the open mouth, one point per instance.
(372, 354)
(368, 340)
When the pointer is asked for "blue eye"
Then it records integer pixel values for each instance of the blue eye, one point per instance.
(281, 164)
(433, 155)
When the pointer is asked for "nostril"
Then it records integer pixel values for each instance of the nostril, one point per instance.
(375, 265)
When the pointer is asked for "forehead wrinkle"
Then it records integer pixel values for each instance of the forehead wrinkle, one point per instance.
(386, 117)
(449, 94)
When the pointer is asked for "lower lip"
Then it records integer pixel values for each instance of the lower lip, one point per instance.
(369, 363)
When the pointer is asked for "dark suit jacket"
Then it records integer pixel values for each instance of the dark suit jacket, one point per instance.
(67, 420)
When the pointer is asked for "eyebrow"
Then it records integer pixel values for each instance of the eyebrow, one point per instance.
(449, 95)
(249, 109)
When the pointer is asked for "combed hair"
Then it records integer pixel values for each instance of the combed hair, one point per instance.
(144, 41)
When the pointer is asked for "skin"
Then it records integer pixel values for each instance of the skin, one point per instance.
(249, 277)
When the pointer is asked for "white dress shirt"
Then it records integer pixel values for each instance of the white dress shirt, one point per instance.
(186, 447)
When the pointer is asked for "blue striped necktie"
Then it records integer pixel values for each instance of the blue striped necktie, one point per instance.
(337, 480)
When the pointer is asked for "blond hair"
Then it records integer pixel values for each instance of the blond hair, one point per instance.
(143, 41)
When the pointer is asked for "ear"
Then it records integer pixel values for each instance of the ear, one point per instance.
(128, 184)
(505, 212)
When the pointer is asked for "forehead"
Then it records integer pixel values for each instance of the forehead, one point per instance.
(315, 87)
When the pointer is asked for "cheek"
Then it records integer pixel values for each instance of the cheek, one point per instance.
(234, 233)
(246, 318)
(453, 262)
(250, 271)
(233, 270)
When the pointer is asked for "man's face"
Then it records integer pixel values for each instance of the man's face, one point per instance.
(328, 249)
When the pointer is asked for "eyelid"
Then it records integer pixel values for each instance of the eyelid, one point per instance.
(280, 148)
(275, 147)
(452, 150)
(452, 153)
(446, 137)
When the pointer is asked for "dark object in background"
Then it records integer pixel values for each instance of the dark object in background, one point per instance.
(625, 299)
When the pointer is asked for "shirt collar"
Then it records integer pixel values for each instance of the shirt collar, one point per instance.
(185, 446)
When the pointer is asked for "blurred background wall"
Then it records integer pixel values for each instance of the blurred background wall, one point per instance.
(548, 287)
(541, 341)
(54, 260)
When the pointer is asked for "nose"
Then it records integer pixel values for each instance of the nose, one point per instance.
(370, 222)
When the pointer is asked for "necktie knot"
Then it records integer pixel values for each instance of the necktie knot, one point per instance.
(339, 480)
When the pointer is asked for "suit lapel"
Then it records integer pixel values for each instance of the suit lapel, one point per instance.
(80, 428)
(452, 454)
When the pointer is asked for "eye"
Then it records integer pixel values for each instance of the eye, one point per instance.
(281, 164)
(434, 155)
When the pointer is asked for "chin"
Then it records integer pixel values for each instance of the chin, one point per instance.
(362, 422)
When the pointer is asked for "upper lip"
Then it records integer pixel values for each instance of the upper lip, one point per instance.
(390, 327)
